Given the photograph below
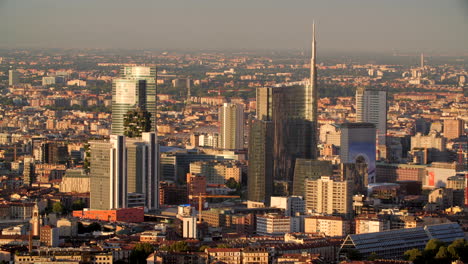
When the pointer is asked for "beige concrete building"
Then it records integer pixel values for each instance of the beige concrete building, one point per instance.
(330, 134)
(231, 119)
(75, 180)
(453, 128)
(273, 224)
(328, 196)
(328, 225)
(217, 172)
(432, 141)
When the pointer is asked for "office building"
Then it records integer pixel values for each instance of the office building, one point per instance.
(392, 244)
(142, 168)
(134, 90)
(453, 128)
(309, 169)
(358, 146)
(264, 103)
(371, 107)
(231, 119)
(13, 77)
(327, 196)
(273, 225)
(108, 174)
(260, 169)
(295, 121)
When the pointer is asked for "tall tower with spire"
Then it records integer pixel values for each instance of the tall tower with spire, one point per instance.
(311, 96)
(313, 76)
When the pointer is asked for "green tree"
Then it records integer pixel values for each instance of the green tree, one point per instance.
(232, 183)
(459, 250)
(373, 256)
(180, 246)
(140, 252)
(432, 247)
(137, 122)
(443, 256)
(415, 255)
(58, 208)
(223, 246)
(78, 205)
(203, 248)
(87, 157)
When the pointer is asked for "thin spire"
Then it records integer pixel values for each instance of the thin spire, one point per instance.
(312, 59)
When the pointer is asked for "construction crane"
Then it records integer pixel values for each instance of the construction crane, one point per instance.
(202, 196)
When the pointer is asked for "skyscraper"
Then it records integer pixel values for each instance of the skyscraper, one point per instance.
(121, 166)
(135, 89)
(291, 112)
(231, 118)
(358, 146)
(264, 103)
(142, 168)
(108, 174)
(260, 170)
(295, 123)
(371, 107)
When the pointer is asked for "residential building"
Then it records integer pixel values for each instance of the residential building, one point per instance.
(453, 128)
(328, 196)
(332, 226)
(231, 119)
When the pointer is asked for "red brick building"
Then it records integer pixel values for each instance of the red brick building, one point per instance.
(130, 215)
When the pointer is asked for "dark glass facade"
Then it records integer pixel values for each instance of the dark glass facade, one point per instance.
(294, 131)
(260, 171)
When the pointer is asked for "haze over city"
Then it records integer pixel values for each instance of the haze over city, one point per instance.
(359, 25)
(234, 132)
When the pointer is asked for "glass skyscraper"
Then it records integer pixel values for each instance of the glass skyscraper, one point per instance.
(135, 89)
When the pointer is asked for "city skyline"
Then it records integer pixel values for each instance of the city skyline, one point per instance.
(364, 25)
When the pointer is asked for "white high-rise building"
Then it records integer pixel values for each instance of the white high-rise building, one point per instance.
(231, 118)
(371, 107)
(13, 77)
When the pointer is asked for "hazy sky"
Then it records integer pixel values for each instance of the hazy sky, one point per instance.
(342, 25)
